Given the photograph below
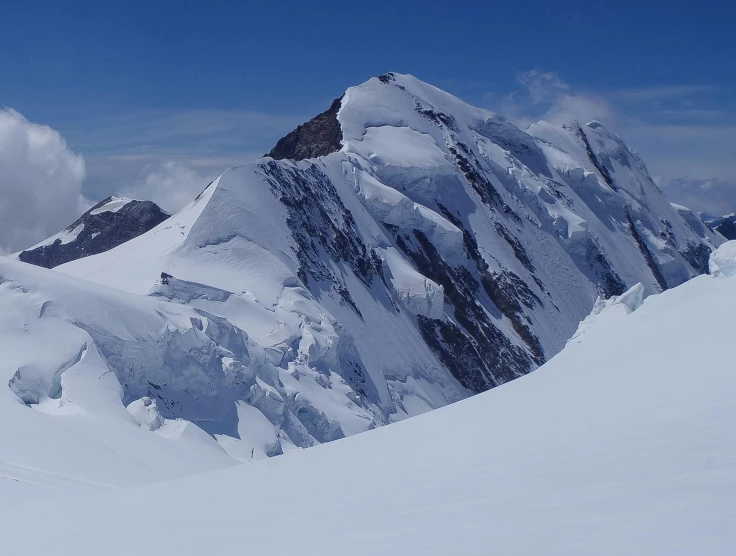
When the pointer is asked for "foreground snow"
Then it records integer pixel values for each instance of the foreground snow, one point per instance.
(621, 444)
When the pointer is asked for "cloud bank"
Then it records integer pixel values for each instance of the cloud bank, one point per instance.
(168, 184)
(165, 157)
(40, 182)
(170, 156)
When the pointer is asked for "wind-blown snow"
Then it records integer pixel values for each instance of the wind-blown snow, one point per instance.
(621, 444)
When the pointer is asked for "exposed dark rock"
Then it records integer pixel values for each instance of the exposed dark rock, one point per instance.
(518, 249)
(100, 232)
(725, 225)
(608, 282)
(602, 170)
(475, 351)
(648, 257)
(471, 246)
(321, 224)
(471, 168)
(477, 181)
(698, 255)
(439, 118)
(668, 234)
(457, 352)
(507, 290)
(319, 136)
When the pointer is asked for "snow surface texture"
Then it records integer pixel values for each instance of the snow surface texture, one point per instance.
(112, 204)
(66, 344)
(621, 444)
(440, 251)
(723, 261)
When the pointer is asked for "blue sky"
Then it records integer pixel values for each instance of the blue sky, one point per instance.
(155, 93)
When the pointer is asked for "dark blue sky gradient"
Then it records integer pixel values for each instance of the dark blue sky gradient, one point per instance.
(132, 84)
(96, 57)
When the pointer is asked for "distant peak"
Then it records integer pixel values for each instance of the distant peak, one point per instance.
(111, 204)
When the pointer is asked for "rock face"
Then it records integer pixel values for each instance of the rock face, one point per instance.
(318, 137)
(399, 252)
(724, 225)
(106, 225)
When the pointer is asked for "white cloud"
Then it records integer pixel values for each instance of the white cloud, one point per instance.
(40, 182)
(546, 96)
(124, 152)
(169, 184)
(542, 86)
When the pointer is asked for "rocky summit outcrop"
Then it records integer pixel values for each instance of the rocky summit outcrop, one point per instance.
(106, 225)
(318, 137)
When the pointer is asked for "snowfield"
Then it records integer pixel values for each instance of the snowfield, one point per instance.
(621, 444)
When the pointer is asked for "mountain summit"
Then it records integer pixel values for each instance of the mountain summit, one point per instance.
(399, 252)
(109, 223)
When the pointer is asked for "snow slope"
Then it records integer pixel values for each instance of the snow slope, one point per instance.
(621, 444)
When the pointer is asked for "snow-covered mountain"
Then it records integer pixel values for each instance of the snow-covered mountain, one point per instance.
(430, 250)
(724, 225)
(621, 444)
(109, 223)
